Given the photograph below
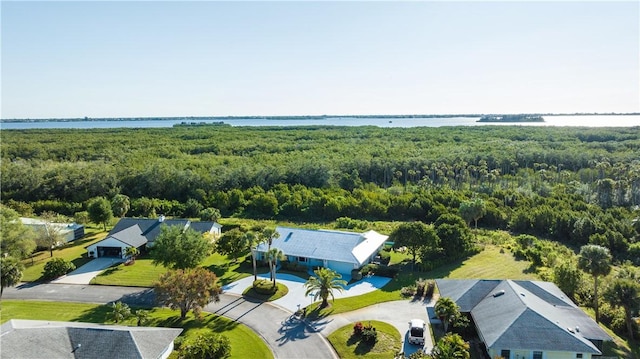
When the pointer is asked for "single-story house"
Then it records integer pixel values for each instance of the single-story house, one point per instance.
(139, 232)
(68, 231)
(337, 250)
(40, 339)
(519, 319)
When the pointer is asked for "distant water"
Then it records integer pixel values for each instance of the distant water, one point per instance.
(586, 121)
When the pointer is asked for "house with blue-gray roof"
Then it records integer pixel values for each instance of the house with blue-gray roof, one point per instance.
(518, 319)
(336, 250)
(142, 232)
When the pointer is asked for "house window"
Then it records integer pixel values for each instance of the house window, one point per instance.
(302, 259)
(537, 355)
(579, 355)
(506, 354)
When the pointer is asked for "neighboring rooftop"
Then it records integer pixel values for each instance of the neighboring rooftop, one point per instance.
(36, 339)
(149, 228)
(525, 315)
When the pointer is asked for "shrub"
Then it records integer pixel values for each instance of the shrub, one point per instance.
(380, 270)
(57, 267)
(262, 286)
(408, 291)
(420, 285)
(206, 345)
(358, 328)
(369, 334)
(431, 285)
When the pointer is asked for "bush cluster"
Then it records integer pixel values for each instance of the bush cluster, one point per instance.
(57, 267)
(379, 270)
(367, 333)
(263, 286)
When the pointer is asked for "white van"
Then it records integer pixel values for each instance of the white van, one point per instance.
(417, 327)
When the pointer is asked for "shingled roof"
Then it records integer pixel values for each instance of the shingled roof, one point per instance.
(145, 230)
(36, 339)
(524, 315)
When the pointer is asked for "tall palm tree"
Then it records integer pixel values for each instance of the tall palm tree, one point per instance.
(267, 236)
(446, 310)
(324, 283)
(273, 255)
(252, 241)
(595, 260)
(451, 346)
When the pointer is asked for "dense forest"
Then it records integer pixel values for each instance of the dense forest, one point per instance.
(573, 185)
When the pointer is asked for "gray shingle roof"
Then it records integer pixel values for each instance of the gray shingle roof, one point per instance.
(524, 315)
(324, 244)
(36, 339)
(140, 231)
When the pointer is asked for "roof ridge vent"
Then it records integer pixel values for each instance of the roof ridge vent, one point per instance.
(498, 293)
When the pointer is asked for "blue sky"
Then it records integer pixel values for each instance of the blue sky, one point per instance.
(208, 58)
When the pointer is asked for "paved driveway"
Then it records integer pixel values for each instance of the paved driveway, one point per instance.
(296, 297)
(85, 273)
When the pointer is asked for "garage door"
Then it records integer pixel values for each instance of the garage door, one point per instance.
(109, 251)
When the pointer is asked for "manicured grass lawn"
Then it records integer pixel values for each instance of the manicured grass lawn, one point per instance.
(487, 264)
(280, 292)
(350, 346)
(144, 274)
(244, 342)
(74, 251)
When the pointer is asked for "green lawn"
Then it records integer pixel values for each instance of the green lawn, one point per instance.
(489, 263)
(144, 274)
(244, 342)
(349, 346)
(74, 251)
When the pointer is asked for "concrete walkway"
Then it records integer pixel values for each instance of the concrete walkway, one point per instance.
(296, 297)
(87, 272)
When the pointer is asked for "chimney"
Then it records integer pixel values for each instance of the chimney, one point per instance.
(161, 218)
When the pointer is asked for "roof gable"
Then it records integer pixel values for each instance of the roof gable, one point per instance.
(149, 228)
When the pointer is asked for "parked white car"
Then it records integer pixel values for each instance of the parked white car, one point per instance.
(417, 328)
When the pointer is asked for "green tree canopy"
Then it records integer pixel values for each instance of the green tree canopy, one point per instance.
(596, 261)
(120, 311)
(415, 236)
(323, 284)
(120, 205)
(233, 244)
(188, 289)
(473, 210)
(100, 211)
(16, 240)
(567, 277)
(451, 346)
(10, 272)
(625, 293)
(454, 234)
(178, 248)
(447, 311)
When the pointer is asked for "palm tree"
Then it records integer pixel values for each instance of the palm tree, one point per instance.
(120, 311)
(625, 293)
(10, 272)
(323, 283)
(447, 310)
(132, 252)
(267, 236)
(142, 316)
(252, 241)
(451, 346)
(595, 260)
(272, 256)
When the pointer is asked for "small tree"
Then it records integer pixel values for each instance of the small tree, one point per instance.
(451, 346)
(447, 311)
(142, 317)
(567, 277)
(16, 239)
(252, 241)
(132, 252)
(473, 210)
(625, 293)
(323, 284)
(210, 214)
(272, 256)
(120, 205)
(415, 236)
(10, 272)
(232, 244)
(188, 289)
(100, 211)
(178, 248)
(206, 346)
(49, 237)
(57, 267)
(596, 261)
(120, 311)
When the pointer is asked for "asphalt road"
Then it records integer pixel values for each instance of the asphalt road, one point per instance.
(288, 338)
